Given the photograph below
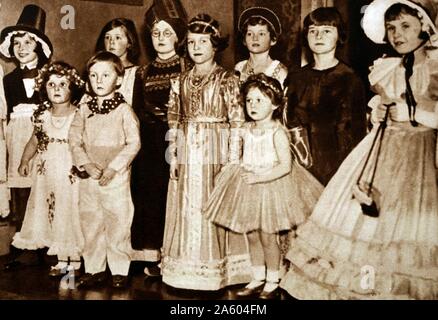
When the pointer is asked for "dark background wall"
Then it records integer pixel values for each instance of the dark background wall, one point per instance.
(76, 46)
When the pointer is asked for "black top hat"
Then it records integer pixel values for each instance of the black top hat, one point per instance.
(32, 20)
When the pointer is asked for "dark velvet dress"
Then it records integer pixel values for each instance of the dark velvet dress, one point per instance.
(331, 105)
(150, 170)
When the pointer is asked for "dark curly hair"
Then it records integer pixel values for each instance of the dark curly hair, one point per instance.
(60, 68)
(205, 24)
(128, 26)
(270, 87)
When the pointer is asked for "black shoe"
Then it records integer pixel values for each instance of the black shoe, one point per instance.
(89, 280)
(13, 265)
(153, 271)
(249, 292)
(265, 295)
(120, 281)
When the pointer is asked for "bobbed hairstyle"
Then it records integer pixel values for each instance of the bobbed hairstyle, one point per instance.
(42, 59)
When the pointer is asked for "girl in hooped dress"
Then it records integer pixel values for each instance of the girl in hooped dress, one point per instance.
(52, 213)
(267, 193)
(342, 251)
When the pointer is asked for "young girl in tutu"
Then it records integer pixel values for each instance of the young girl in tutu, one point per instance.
(266, 193)
(342, 251)
(52, 214)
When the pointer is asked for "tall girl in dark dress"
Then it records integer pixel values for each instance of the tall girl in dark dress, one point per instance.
(326, 97)
(150, 172)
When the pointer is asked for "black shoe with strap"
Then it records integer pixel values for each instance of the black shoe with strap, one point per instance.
(89, 280)
(250, 292)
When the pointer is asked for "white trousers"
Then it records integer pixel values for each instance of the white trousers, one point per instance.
(106, 217)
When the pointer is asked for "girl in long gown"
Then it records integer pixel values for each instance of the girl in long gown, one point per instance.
(203, 106)
(343, 253)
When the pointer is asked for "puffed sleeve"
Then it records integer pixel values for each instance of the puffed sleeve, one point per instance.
(173, 117)
(131, 131)
(174, 104)
(75, 137)
(231, 94)
(236, 116)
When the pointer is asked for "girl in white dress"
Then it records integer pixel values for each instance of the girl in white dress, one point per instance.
(52, 214)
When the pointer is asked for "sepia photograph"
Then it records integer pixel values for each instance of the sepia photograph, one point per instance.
(236, 151)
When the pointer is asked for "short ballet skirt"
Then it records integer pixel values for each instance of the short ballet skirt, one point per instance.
(271, 207)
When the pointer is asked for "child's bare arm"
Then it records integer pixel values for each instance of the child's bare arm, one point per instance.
(281, 143)
(28, 154)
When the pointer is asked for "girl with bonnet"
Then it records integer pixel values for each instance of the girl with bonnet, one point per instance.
(203, 109)
(29, 48)
(52, 214)
(150, 170)
(374, 231)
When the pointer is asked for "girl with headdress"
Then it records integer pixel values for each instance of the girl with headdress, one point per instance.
(374, 231)
(203, 106)
(150, 170)
(28, 46)
(52, 214)
(326, 99)
(119, 36)
(260, 29)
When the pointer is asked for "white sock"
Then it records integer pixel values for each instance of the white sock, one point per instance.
(258, 276)
(60, 265)
(272, 278)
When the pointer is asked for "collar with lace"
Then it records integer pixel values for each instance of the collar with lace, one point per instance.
(107, 105)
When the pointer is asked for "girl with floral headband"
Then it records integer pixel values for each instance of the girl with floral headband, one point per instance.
(266, 192)
(52, 214)
(374, 232)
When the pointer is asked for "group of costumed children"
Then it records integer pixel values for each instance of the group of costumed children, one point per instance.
(256, 175)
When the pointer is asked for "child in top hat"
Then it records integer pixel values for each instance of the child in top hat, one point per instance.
(28, 46)
(166, 26)
(260, 28)
(342, 251)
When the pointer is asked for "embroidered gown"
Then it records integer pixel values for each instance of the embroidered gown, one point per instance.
(150, 170)
(52, 214)
(330, 104)
(275, 70)
(340, 252)
(195, 251)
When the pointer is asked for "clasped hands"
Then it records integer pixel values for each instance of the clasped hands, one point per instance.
(397, 113)
(104, 176)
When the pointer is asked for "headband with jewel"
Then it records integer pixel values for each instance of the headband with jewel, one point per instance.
(206, 24)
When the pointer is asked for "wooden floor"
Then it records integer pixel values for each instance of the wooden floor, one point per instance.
(33, 283)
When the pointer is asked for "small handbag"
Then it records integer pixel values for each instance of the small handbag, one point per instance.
(364, 192)
(300, 146)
